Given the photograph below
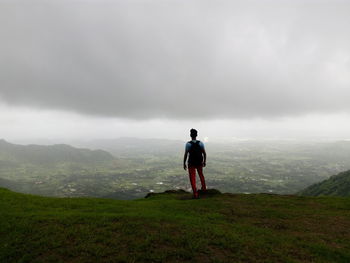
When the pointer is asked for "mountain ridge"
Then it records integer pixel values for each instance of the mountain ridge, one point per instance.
(44, 154)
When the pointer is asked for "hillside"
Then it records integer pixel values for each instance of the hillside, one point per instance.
(53, 170)
(336, 185)
(171, 227)
(49, 154)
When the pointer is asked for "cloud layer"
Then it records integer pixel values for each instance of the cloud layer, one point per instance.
(176, 59)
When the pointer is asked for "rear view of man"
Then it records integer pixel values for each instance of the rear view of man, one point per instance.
(196, 161)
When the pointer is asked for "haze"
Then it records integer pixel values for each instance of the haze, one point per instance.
(106, 69)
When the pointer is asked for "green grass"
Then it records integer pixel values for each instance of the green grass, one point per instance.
(174, 228)
(336, 185)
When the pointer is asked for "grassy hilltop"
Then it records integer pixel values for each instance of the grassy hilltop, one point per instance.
(171, 227)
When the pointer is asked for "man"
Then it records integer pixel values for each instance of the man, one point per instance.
(196, 161)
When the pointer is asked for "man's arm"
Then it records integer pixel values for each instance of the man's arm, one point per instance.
(185, 159)
(204, 158)
(204, 154)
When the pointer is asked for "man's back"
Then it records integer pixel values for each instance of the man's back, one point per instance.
(195, 149)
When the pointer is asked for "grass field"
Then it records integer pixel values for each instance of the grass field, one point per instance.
(172, 227)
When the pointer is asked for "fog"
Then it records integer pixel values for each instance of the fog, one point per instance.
(247, 69)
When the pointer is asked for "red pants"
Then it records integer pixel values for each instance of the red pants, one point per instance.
(192, 175)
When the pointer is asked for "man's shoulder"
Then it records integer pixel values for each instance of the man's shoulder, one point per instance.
(200, 143)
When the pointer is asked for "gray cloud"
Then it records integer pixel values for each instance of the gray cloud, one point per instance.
(176, 59)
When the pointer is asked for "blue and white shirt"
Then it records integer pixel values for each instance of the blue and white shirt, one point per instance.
(188, 145)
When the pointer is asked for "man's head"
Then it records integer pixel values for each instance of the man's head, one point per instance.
(193, 133)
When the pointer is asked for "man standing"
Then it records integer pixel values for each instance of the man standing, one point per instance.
(196, 161)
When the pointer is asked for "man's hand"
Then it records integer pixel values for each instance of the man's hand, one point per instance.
(185, 167)
(204, 164)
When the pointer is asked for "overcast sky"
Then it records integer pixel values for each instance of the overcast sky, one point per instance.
(147, 68)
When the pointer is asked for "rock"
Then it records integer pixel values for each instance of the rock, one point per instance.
(209, 192)
(181, 193)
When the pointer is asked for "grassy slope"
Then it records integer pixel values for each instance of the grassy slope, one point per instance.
(336, 185)
(172, 228)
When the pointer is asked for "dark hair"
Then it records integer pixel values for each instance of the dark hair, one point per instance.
(193, 133)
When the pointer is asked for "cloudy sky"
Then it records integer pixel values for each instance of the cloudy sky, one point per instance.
(156, 68)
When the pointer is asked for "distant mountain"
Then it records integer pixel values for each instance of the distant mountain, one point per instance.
(336, 151)
(132, 147)
(8, 184)
(336, 185)
(40, 154)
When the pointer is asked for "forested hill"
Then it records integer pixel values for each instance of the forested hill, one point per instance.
(336, 185)
(42, 154)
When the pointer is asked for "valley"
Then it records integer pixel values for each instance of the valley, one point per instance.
(134, 167)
